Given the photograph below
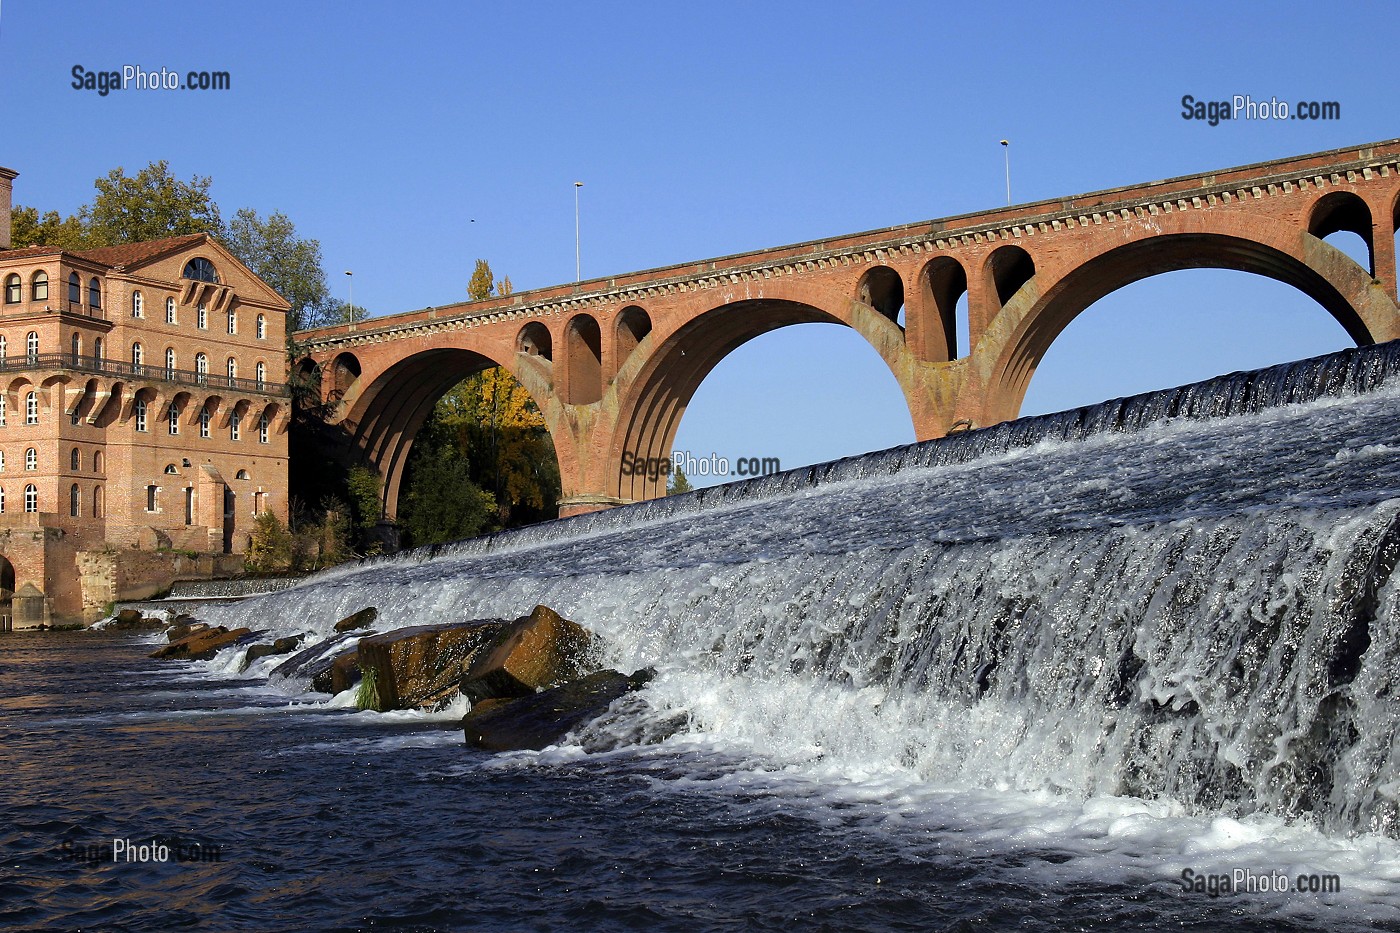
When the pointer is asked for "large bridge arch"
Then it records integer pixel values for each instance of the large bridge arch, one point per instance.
(1003, 363)
(386, 413)
(663, 372)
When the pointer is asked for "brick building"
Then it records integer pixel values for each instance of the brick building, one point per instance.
(143, 411)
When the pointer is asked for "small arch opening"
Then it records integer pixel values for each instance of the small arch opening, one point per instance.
(945, 290)
(1342, 212)
(633, 325)
(1010, 268)
(584, 345)
(882, 289)
(534, 340)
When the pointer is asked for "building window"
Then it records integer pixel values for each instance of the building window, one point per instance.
(262, 374)
(14, 290)
(170, 310)
(137, 305)
(151, 498)
(31, 408)
(39, 291)
(31, 498)
(141, 415)
(31, 459)
(2, 499)
(97, 461)
(75, 460)
(201, 270)
(97, 502)
(262, 327)
(136, 357)
(201, 367)
(170, 362)
(232, 322)
(3, 345)
(201, 317)
(232, 370)
(2, 410)
(262, 428)
(75, 348)
(73, 496)
(94, 293)
(204, 422)
(31, 345)
(75, 289)
(74, 416)
(233, 425)
(172, 417)
(170, 470)
(97, 349)
(2, 461)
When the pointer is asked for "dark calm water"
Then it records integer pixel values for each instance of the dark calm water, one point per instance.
(329, 820)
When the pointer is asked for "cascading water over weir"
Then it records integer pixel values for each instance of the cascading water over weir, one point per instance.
(1187, 595)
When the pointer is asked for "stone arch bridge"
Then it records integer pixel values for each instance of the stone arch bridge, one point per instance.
(613, 362)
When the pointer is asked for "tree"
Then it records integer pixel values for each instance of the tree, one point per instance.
(286, 262)
(481, 285)
(27, 228)
(443, 504)
(270, 549)
(678, 483)
(366, 498)
(151, 205)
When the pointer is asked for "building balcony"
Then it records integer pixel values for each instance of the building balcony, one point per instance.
(87, 364)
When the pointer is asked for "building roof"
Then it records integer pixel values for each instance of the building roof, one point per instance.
(126, 254)
(28, 252)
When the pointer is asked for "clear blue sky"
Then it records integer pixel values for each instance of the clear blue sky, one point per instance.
(384, 130)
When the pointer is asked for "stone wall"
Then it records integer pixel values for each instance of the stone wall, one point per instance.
(114, 574)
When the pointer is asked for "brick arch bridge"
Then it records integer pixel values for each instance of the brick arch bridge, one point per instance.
(613, 362)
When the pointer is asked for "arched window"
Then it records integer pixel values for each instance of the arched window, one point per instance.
(204, 419)
(140, 411)
(172, 418)
(76, 348)
(97, 349)
(97, 502)
(2, 499)
(2, 410)
(201, 366)
(232, 370)
(73, 496)
(31, 498)
(170, 310)
(170, 362)
(201, 317)
(2, 461)
(136, 356)
(31, 408)
(262, 327)
(137, 305)
(151, 491)
(39, 290)
(234, 423)
(170, 470)
(75, 289)
(75, 460)
(3, 346)
(97, 461)
(232, 322)
(31, 459)
(31, 345)
(262, 428)
(261, 373)
(14, 289)
(241, 474)
(201, 270)
(94, 293)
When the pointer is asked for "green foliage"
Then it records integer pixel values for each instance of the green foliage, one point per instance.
(366, 503)
(678, 483)
(285, 261)
(367, 694)
(442, 503)
(479, 288)
(270, 550)
(148, 206)
(30, 229)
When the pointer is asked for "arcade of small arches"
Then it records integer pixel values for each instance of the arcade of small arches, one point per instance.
(613, 369)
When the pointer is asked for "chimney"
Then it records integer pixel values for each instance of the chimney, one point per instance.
(6, 177)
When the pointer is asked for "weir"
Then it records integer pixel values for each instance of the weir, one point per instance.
(1187, 595)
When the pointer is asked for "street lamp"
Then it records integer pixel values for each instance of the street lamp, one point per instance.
(1006, 148)
(578, 263)
(350, 308)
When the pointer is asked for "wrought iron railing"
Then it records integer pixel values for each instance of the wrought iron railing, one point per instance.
(87, 364)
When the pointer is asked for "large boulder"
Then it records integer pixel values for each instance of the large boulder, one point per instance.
(542, 719)
(202, 645)
(362, 619)
(280, 646)
(339, 673)
(422, 665)
(536, 652)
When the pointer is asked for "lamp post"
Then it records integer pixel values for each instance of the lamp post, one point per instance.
(578, 262)
(350, 308)
(1006, 148)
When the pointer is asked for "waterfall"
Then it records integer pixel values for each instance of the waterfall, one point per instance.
(1185, 595)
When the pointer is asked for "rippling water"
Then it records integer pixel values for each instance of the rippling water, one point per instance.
(1024, 679)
